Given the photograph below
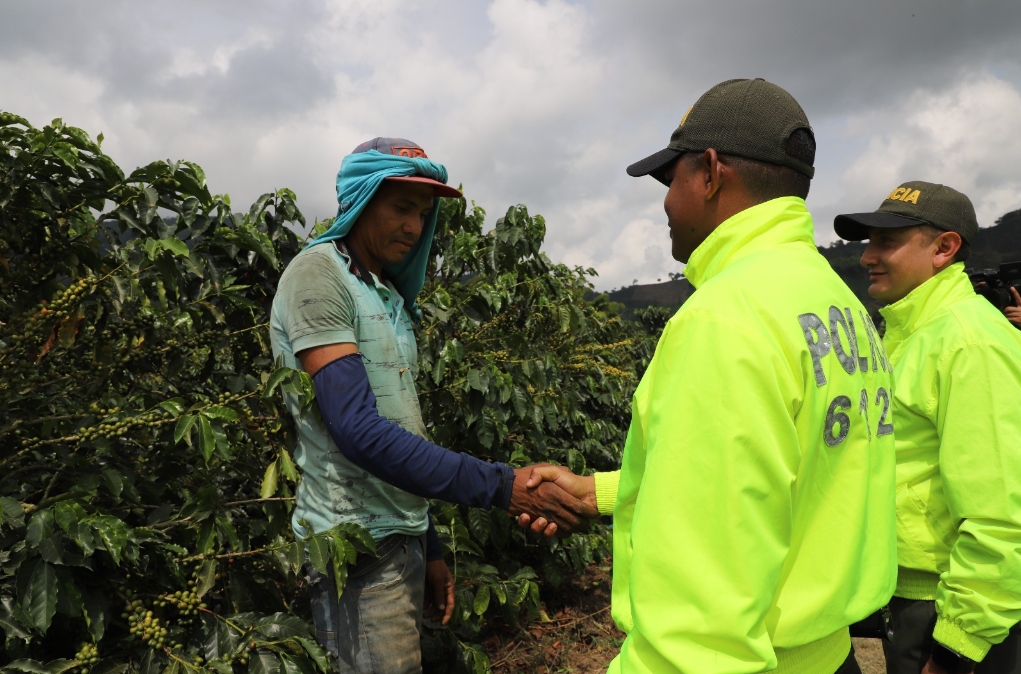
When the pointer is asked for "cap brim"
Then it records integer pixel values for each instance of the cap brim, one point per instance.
(655, 164)
(439, 189)
(855, 226)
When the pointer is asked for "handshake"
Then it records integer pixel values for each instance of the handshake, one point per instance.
(552, 500)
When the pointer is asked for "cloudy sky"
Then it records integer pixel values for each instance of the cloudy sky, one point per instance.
(541, 102)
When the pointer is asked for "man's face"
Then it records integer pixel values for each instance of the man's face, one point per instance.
(684, 205)
(393, 220)
(899, 260)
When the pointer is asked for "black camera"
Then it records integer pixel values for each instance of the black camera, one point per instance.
(995, 285)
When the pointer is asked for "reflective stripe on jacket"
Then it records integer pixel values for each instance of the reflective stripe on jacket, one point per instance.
(755, 515)
(957, 406)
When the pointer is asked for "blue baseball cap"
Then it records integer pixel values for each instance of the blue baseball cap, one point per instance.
(402, 147)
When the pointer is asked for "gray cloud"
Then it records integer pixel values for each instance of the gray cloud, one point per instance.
(542, 102)
(834, 55)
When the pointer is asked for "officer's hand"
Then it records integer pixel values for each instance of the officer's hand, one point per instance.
(548, 501)
(581, 487)
(1013, 313)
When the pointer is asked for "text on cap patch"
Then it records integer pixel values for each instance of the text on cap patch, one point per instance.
(905, 194)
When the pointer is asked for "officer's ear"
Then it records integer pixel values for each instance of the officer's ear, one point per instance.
(713, 171)
(947, 245)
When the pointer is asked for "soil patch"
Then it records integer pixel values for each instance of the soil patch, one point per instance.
(579, 637)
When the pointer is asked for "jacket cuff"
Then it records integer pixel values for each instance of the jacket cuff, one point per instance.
(956, 639)
(606, 491)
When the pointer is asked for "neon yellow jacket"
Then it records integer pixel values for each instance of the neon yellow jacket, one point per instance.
(957, 406)
(755, 515)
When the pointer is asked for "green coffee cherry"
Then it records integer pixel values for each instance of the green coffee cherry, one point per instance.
(86, 656)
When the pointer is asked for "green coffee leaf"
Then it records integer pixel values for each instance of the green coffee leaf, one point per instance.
(33, 667)
(220, 412)
(40, 527)
(175, 406)
(13, 628)
(316, 652)
(113, 532)
(205, 577)
(11, 513)
(39, 600)
(207, 441)
(481, 600)
(269, 479)
(292, 665)
(175, 246)
(184, 425)
(95, 614)
(278, 376)
(287, 467)
(319, 553)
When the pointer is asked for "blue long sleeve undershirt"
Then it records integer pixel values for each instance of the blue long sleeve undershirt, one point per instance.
(396, 456)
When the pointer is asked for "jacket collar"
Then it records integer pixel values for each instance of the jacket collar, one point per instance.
(761, 227)
(906, 315)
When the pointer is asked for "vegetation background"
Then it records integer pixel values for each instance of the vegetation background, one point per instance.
(146, 475)
(146, 468)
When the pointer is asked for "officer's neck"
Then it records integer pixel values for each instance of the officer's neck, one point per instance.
(724, 205)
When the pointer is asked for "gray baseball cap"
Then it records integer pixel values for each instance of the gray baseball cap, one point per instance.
(747, 118)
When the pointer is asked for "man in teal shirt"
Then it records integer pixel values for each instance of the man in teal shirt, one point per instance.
(344, 313)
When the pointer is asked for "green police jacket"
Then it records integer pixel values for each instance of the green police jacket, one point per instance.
(957, 406)
(755, 514)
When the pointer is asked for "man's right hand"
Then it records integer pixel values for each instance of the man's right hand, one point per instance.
(537, 498)
(580, 487)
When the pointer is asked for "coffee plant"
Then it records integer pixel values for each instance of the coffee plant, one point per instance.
(516, 366)
(146, 478)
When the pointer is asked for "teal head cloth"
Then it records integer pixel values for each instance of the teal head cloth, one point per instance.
(361, 174)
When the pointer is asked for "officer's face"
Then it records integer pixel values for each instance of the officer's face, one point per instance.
(392, 221)
(899, 260)
(685, 205)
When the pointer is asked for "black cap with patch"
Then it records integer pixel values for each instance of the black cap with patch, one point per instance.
(914, 203)
(747, 118)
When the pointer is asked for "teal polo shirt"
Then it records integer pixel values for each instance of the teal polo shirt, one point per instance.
(322, 300)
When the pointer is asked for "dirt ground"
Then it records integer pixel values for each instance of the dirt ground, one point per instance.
(869, 654)
(580, 637)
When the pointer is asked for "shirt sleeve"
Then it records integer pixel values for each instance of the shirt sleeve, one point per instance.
(979, 599)
(319, 306)
(711, 524)
(396, 456)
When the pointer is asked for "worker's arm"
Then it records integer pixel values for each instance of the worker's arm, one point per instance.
(394, 455)
(407, 461)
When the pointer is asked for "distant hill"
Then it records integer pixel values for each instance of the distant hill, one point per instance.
(994, 245)
(670, 294)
